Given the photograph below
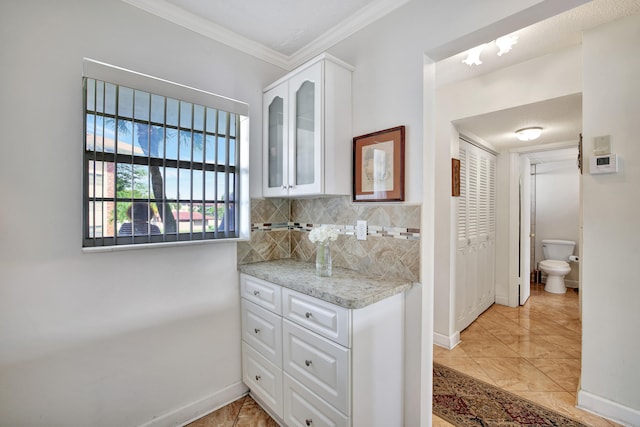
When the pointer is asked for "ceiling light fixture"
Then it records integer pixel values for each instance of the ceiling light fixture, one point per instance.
(473, 57)
(505, 43)
(529, 134)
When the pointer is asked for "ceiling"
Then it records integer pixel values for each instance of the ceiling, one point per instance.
(288, 32)
(282, 32)
(285, 26)
(546, 36)
(560, 118)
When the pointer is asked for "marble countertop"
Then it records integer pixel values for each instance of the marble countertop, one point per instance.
(346, 288)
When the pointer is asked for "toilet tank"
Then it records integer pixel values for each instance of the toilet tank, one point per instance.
(558, 249)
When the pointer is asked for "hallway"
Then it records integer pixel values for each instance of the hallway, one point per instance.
(532, 351)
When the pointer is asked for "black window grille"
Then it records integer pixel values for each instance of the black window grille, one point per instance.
(156, 168)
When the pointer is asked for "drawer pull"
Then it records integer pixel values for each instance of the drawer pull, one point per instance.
(258, 377)
(256, 330)
(256, 293)
(307, 362)
(308, 421)
(307, 314)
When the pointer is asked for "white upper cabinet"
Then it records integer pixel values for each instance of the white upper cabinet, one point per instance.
(307, 131)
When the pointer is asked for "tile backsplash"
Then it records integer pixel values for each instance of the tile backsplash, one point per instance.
(279, 229)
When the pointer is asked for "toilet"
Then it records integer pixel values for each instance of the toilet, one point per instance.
(555, 265)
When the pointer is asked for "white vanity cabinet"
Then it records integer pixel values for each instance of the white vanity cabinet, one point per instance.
(334, 366)
(261, 309)
(307, 131)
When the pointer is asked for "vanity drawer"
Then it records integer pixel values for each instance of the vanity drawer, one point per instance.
(261, 292)
(318, 363)
(263, 378)
(329, 320)
(262, 330)
(303, 408)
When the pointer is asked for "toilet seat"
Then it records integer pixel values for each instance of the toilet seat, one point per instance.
(555, 267)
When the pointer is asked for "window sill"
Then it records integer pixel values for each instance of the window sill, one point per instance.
(119, 248)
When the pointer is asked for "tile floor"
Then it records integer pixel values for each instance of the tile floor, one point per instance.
(243, 412)
(533, 351)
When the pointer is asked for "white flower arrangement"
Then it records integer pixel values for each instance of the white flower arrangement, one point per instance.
(323, 234)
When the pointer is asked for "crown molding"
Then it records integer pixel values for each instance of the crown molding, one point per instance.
(347, 27)
(195, 23)
(369, 14)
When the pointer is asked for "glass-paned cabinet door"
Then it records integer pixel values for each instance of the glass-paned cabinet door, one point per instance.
(305, 128)
(276, 142)
(305, 94)
(276, 134)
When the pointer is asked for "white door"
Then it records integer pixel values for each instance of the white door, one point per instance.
(463, 244)
(276, 141)
(525, 229)
(475, 240)
(306, 157)
(486, 229)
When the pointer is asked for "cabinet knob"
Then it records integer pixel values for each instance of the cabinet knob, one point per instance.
(308, 421)
(290, 186)
(258, 377)
(284, 187)
(308, 314)
(307, 362)
(256, 293)
(256, 330)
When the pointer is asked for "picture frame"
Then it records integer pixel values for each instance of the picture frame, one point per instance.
(378, 166)
(455, 177)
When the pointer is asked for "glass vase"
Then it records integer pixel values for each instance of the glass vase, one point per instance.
(323, 259)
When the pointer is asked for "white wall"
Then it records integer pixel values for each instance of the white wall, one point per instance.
(104, 339)
(154, 330)
(557, 200)
(393, 86)
(611, 231)
(388, 57)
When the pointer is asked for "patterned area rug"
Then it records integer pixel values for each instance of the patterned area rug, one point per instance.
(466, 401)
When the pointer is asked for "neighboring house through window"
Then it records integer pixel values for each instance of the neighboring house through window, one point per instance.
(162, 162)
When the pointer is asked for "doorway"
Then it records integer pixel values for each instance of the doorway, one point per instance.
(561, 119)
(553, 205)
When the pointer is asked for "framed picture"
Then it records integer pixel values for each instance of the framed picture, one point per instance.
(378, 166)
(455, 177)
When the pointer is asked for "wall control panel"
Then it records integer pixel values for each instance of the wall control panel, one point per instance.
(606, 163)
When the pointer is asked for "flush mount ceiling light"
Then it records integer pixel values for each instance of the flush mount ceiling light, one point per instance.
(529, 134)
(505, 44)
(473, 57)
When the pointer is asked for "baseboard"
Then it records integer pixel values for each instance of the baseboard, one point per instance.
(571, 283)
(502, 300)
(608, 409)
(198, 409)
(445, 341)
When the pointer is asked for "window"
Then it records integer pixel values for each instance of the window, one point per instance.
(159, 167)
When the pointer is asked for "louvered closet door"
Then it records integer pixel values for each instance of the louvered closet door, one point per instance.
(486, 231)
(466, 256)
(475, 251)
